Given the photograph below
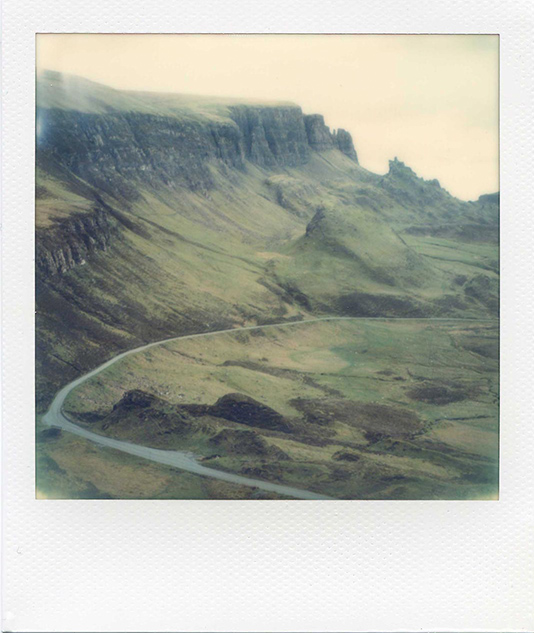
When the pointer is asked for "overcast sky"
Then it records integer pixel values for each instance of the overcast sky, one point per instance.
(430, 100)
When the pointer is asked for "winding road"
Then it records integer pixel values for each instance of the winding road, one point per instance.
(56, 417)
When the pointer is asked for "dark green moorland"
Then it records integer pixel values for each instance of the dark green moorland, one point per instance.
(166, 215)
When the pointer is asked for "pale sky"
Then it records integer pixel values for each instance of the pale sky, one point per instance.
(430, 100)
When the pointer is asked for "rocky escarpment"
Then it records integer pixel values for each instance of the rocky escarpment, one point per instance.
(343, 142)
(272, 136)
(321, 139)
(121, 152)
(408, 188)
(433, 211)
(73, 240)
(426, 201)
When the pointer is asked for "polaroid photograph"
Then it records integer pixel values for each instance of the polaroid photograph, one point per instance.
(246, 262)
(230, 304)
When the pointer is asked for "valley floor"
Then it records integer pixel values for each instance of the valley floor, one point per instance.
(348, 408)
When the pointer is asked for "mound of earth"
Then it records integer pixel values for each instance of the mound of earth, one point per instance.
(362, 304)
(136, 399)
(240, 442)
(47, 435)
(345, 456)
(440, 393)
(143, 414)
(376, 419)
(484, 289)
(237, 407)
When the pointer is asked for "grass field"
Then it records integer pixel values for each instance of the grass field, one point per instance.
(456, 256)
(378, 409)
(71, 467)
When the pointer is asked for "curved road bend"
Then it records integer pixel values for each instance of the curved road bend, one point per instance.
(178, 459)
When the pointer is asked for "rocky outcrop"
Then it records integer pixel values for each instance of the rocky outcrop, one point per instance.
(237, 407)
(136, 399)
(343, 142)
(73, 240)
(319, 135)
(143, 416)
(321, 139)
(241, 442)
(401, 172)
(418, 195)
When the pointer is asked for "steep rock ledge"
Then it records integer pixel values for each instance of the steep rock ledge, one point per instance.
(343, 141)
(120, 152)
(117, 152)
(72, 241)
(319, 136)
(321, 139)
(272, 136)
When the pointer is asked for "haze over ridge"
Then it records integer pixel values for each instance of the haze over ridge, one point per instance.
(430, 100)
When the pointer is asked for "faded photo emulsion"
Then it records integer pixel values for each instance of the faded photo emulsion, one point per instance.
(267, 267)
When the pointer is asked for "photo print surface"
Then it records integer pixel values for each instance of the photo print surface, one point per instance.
(267, 267)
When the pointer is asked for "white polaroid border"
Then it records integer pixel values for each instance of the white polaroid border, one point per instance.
(348, 566)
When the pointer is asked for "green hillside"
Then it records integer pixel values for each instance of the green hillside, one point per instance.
(162, 215)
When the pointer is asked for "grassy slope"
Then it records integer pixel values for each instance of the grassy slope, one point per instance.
(185, 268)
(407, 366)
(360, 243)
(70, 467)
(244, 253)
(193, 263)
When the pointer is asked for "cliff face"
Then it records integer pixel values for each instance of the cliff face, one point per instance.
(122, 153)
(73, 240)
(321, 139)
(343, 142)
(272, 136)
(319, 136)
(116, 151)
